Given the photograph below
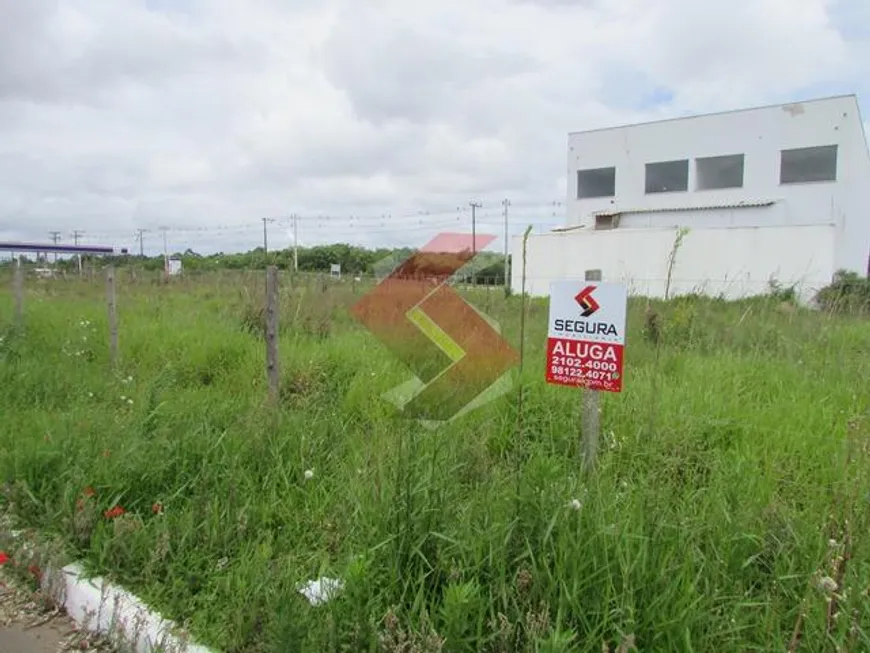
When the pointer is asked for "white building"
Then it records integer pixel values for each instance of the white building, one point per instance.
(772, 194)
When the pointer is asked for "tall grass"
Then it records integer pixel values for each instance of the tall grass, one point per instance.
(732, 487)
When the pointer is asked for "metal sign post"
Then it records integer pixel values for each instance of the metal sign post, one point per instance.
(586, 337)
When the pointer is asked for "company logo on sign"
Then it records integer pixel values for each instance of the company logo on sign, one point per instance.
(455, 353)
(587, 301)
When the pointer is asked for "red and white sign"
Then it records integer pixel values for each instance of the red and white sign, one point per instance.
(586, 334)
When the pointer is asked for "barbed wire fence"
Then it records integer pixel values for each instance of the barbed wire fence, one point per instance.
(383, 231)
(372, 229)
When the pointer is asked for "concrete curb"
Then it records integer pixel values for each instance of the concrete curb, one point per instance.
(98, 606)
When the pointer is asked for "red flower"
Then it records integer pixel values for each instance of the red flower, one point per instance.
(117, 511)
(4, 558)
(157, 508)
(87, 493)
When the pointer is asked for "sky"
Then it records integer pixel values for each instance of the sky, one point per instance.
(376, 122)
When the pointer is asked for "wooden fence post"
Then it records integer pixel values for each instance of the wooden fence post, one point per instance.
(272, 370)
(18, 284)
(113, 315)
(591, 415)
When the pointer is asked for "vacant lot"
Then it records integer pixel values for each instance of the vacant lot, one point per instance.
(729, 513)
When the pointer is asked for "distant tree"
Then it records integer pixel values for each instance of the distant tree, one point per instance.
(352, 258)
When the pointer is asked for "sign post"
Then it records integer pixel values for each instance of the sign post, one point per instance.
(18, 285)
(585, 342)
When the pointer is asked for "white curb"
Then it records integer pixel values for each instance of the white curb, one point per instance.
(96, 605)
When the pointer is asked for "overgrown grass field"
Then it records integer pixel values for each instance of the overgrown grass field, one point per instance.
(732, 492)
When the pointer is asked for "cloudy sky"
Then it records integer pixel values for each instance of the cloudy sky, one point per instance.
(376, 121)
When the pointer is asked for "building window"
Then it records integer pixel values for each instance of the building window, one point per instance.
(609, 221)
(597, 182)
(667, 176)
(808, 164)
(719, 172)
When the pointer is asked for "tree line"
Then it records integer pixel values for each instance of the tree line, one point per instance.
(354, 260)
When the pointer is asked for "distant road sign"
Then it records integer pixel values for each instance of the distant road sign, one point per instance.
(586, 335)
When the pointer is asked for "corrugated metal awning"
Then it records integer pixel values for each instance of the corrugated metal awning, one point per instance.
(672, 209)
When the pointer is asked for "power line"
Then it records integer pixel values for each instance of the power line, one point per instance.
(367, 229)
(363, 220)
(354, 223)
(393, 217)
(323, 232)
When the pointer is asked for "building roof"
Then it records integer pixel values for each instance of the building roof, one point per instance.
(851, 96)
(6, 246)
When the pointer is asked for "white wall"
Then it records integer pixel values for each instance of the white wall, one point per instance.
(853, 243)
(733, 262)
(759, 134)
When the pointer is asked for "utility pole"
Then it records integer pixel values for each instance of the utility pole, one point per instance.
(295, 243)
(165, 253)
(474, 207)
(266, 235)
(141, 240)
(76, 235)
(55, 237)
(506, 203)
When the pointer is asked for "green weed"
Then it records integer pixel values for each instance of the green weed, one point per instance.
(737, 452)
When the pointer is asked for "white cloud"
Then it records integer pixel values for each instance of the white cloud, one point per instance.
(119, 114)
